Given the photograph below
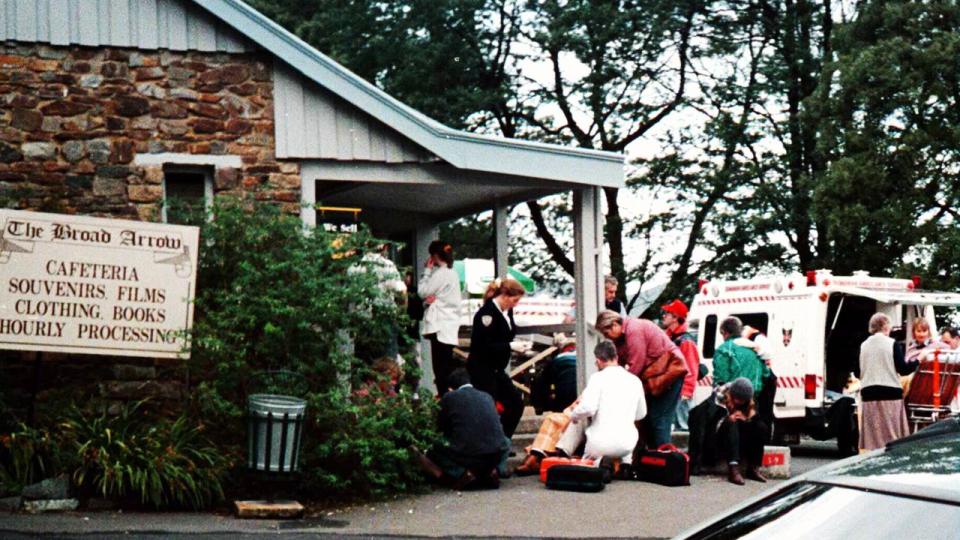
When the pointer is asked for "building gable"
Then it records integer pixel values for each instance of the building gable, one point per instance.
(175, 25)
(314, 123)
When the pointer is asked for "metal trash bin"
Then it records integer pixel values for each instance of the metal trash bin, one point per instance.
(274, 432)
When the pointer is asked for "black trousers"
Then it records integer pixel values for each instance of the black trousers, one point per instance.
(512, 400)
(765, 399)
(742, 441)
(441, 357)
(499, 385)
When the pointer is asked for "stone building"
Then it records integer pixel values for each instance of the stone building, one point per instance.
(110, 107)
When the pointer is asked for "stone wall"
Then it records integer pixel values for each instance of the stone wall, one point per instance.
(73, 121)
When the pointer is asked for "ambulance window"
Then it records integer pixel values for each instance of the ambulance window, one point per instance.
(693, 328)
(760, 321)
(709, 336)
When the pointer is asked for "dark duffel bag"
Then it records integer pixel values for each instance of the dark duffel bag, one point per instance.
(667, 465)
(575, 478)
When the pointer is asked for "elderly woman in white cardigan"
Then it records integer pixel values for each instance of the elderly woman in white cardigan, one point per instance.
(883, 414)
(440, 289)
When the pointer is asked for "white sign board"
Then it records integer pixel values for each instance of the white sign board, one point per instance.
(97, 286)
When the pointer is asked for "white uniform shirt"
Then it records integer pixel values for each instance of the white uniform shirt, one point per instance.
(614, 400)
(442, 317)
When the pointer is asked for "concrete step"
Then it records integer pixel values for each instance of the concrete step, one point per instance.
(530, 424)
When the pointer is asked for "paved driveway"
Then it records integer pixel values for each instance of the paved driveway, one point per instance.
(522, 507)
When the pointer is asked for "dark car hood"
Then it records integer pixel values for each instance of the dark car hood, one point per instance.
(926, 467)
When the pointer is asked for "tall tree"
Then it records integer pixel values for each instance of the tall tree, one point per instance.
(710, 171)
(893, 137)
(617, 70)
(454, 60)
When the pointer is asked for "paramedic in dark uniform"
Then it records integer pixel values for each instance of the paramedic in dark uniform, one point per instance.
(491, 344)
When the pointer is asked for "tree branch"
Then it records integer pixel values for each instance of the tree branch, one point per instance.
(556, 251)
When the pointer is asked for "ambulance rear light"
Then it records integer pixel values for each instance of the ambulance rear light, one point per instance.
(702, 285)
(810, 386)
(811, 278)
(915, 282)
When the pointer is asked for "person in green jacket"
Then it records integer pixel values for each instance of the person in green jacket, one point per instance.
(732, 360)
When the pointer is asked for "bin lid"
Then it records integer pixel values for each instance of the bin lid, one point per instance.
(275, 403)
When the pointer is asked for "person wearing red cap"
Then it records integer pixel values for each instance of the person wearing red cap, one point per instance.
(674, 323)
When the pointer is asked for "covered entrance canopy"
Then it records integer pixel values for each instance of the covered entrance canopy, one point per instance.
(359, 147)
(410, 201)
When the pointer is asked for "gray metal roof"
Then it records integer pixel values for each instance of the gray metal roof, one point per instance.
(144, 24)
(460, 149)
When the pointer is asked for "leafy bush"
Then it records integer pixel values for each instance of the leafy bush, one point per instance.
(361, 446)
(271, 297)
(27, 455)
(153, 460)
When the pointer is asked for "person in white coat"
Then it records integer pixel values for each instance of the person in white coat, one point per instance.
(440, 289)
(613, 402)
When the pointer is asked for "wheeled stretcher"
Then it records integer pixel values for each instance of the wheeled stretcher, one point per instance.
(933, 388)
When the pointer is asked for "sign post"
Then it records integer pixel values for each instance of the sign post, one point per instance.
(88, 285)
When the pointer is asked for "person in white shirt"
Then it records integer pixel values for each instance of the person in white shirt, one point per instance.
(613, 402)
(440, 289)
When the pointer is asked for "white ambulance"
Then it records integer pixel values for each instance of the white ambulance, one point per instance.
(814, 324)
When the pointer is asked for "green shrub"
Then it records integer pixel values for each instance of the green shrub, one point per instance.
(27, 455)
(361, 444)
(271, 297)
(136, 455)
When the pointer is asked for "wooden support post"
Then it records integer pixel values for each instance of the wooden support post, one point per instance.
(500, 239)
(308, 202)
(588, 250)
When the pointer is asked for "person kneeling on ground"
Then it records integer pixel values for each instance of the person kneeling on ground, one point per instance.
(476, 449)
(742, 433)
(613, 402)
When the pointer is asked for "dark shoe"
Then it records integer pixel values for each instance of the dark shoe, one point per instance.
(753, 473)
(626, 472)
(492, 481)
(428, 466)
(734, 476)
(529, 467)
(466, 481)
(610, 467)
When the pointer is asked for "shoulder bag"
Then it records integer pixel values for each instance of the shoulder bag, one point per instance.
(657, 376)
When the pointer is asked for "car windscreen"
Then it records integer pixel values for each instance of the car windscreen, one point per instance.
(808, 510)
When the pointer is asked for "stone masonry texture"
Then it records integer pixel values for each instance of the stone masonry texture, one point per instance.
(73, 120)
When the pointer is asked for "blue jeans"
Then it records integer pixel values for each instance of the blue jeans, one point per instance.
(680, 422)
(661, 411)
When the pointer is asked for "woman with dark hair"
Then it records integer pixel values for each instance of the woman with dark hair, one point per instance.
(440, 289)
(491, 344)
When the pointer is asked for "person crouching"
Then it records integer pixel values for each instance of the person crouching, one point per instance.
(611, 404)
(742, 433)
(476, 450)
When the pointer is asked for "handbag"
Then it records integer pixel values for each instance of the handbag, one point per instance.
(657, 376)
(667, 466)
